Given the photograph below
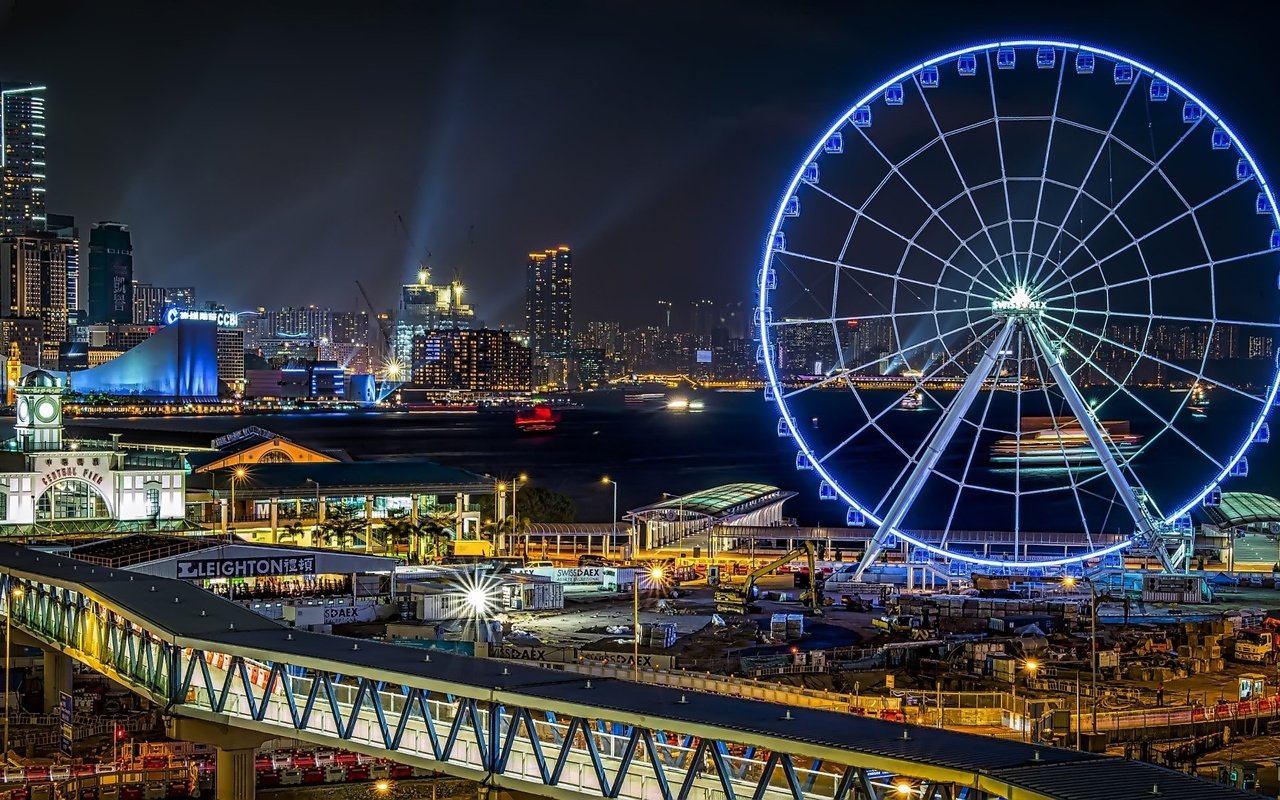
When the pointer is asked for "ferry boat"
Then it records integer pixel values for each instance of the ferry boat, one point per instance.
(911, 401)
(1042, 441)
(640, 398)
(538, 419)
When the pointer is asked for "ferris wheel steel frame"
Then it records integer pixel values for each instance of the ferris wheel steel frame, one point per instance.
(1154, 534)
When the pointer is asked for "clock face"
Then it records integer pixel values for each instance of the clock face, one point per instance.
(47, 409)
(24, 414)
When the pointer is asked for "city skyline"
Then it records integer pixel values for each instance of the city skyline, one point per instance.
(650, 202)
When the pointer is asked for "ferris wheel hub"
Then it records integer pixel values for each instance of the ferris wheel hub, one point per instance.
(1018, 302)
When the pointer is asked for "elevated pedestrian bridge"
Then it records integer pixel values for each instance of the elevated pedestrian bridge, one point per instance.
(215, 666)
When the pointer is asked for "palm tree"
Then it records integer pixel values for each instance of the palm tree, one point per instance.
(399, 530)
(339, 528)
(509, 528)
(436, 529)
(291, 533)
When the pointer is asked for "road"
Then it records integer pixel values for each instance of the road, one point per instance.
(1255, 548)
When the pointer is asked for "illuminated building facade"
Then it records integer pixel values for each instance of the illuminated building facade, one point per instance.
(22, 159)
(149, 302)
(110, 273)
(426, 307)
(470, 360)
(178, 362)
(231, 357)
(33, 283)
(309, 322)
(49, 484)
(64, 227)
(549, 302)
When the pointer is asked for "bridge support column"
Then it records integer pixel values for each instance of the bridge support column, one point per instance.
(235, 777)
(235, 747)
(57, 679)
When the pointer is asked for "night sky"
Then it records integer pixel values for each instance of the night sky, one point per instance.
(259, 150)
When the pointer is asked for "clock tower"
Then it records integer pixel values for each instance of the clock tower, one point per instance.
(39, 412)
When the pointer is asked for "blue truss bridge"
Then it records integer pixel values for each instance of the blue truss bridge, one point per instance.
(233, 679)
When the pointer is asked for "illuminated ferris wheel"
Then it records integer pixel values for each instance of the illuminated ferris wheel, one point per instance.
(1018, 308)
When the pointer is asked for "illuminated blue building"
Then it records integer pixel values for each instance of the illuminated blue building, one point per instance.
(180, 362)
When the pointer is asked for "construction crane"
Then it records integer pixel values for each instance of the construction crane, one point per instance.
(741, 599)
(424, 271)
(384, 327)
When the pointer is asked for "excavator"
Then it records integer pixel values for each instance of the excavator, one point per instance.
(740, 599)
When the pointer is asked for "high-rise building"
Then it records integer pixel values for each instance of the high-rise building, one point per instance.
(231, 357)
(471, 360)
(704, 322)
(351, 327)
(64, 227)
(548, 309)
(427, 307)
(604, 336)
(310, 323)
(28, 334)
(149, 302)
(110, 274)
(22, 165)
(33, 282)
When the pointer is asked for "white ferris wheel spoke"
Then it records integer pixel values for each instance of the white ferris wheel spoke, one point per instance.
(909, 242)
(783, 323)
(1155, 167)
(1171, 365)
(1092, 430)
(888, 357)
(1044, 169)
(934, 213)
(1066, 218)
(881, 274)
(1166, 424)
(968, 191)
(1157, 318)
(973, 448)
(874, 421)
(1062, 449)
(1190, 212)
(1220, 262)
(937, 444)
(1004, 184)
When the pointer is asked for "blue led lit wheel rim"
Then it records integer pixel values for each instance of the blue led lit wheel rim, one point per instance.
(1018, 306)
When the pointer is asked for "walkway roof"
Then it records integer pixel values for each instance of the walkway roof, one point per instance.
(721, 501)
(1244, 508)
(196, 618)
(343, 479)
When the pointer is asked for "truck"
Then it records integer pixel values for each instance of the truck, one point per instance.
(1255, 646)
(740, 599)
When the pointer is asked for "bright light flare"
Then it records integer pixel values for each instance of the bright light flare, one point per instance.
(382, 787)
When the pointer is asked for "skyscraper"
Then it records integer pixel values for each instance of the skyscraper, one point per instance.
(110, 274)
(64, 227)
(33, 283)
(426, 307)
(22, 167)
(548, 309)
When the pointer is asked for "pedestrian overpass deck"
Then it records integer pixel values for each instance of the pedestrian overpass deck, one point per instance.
(521, 728)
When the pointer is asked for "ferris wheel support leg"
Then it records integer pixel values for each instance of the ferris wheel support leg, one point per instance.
(934, 449)
(1141, 521)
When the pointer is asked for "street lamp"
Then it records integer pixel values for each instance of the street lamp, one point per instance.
(317, 483)
(515, 514)
(237, 475)
(1093, 644)
(655, 575)
(14, 594)
(603, 550)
